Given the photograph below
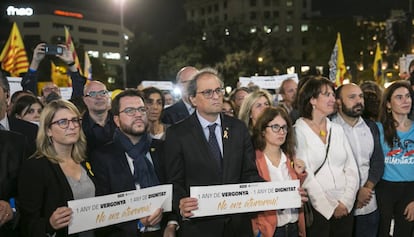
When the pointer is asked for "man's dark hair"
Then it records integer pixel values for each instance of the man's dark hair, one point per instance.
(128, 92)
(4, 83)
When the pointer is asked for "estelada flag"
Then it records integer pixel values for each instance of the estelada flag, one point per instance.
(71, 47)
(13, 57)
(87, 67)
(377, 65)
(337, 68)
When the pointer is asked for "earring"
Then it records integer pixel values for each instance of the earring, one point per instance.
(389, 110)
(313, 106)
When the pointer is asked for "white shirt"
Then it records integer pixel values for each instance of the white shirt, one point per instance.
(362, 145)
(204, 124)
(131, 165)
(281, 173)
(5, 123)
(338, 179)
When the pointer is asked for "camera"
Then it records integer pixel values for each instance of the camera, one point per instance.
(53, 50)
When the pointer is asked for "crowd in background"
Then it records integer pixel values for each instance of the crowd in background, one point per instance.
(351, 147)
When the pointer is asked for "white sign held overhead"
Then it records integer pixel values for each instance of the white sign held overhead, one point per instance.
(267, 82)
(162, 85)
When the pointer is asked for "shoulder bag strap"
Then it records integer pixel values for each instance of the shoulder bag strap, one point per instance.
(327, 150)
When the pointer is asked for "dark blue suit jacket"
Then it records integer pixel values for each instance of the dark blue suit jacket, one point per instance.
(113, 175)
(175, 113)
(189, 163)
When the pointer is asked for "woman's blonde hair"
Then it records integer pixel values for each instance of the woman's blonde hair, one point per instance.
(246, 107)
(44, 143)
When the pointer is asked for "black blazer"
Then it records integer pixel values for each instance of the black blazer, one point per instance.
(29, 130)
(113, 175)
(188, 163)
(42, 187)
(175, 113)
(12, 153)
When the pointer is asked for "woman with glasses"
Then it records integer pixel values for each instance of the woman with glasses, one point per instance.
(274, 141)
(28, 108)
(155, 101)
(253, 106)
(395, 191)
(55, 174)
(333, 178)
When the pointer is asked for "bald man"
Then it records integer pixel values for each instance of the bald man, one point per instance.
(97, 122)
(183, 108)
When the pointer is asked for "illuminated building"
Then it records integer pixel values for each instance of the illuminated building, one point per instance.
(99, 33)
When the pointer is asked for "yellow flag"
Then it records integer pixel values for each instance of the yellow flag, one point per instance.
(13, 57)
(71, 47)
(59, 75)
(377, 65)
(337, 68)
(87, 67)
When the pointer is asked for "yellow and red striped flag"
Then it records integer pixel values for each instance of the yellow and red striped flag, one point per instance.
(13, 57)
(71, 47)
(337, 68)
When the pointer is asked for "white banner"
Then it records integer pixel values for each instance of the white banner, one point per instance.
(267, 82)
(249, 197)
(162, 85)
(91, 213)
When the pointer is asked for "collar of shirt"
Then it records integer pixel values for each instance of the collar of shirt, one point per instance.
(189, 107)
(5, 123)
(92, 122)
(339, 120)
(204, 124)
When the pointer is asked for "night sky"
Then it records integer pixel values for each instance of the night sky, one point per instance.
(153, 16)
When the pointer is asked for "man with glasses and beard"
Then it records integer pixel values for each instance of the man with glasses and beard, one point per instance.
(129, 162)
(363, 136)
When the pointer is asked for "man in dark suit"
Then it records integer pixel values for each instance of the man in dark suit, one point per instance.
(25, 128)
(182, 109)
(192, 161)
(12, 153)
(97, 122)
(130, 161)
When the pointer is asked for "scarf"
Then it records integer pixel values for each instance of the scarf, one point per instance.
(144, 173)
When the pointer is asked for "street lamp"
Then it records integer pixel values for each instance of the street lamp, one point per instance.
(123, 60)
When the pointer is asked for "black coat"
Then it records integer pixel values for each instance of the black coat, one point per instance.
(12, 154)
(113, 175)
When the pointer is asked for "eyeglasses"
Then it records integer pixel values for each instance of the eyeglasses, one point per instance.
(95, 94)
(64, 123)
(208, 94)
(50, 89)
(276, 128)
(130, 111)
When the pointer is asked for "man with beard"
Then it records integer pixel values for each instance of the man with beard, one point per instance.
(129, 162)
(97, 122)
(363, 136)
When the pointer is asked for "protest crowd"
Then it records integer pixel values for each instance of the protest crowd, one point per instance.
(350, 147)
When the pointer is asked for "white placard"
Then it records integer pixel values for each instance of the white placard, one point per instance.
(248, 197)
(267, 82)
(162, 85)
(15, 85)
(66, 92)
(91, 213)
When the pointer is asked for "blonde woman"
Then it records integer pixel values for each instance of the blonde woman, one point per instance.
(253, 106)
(55, 174)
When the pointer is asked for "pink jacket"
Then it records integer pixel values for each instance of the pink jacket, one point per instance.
(266, 221)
